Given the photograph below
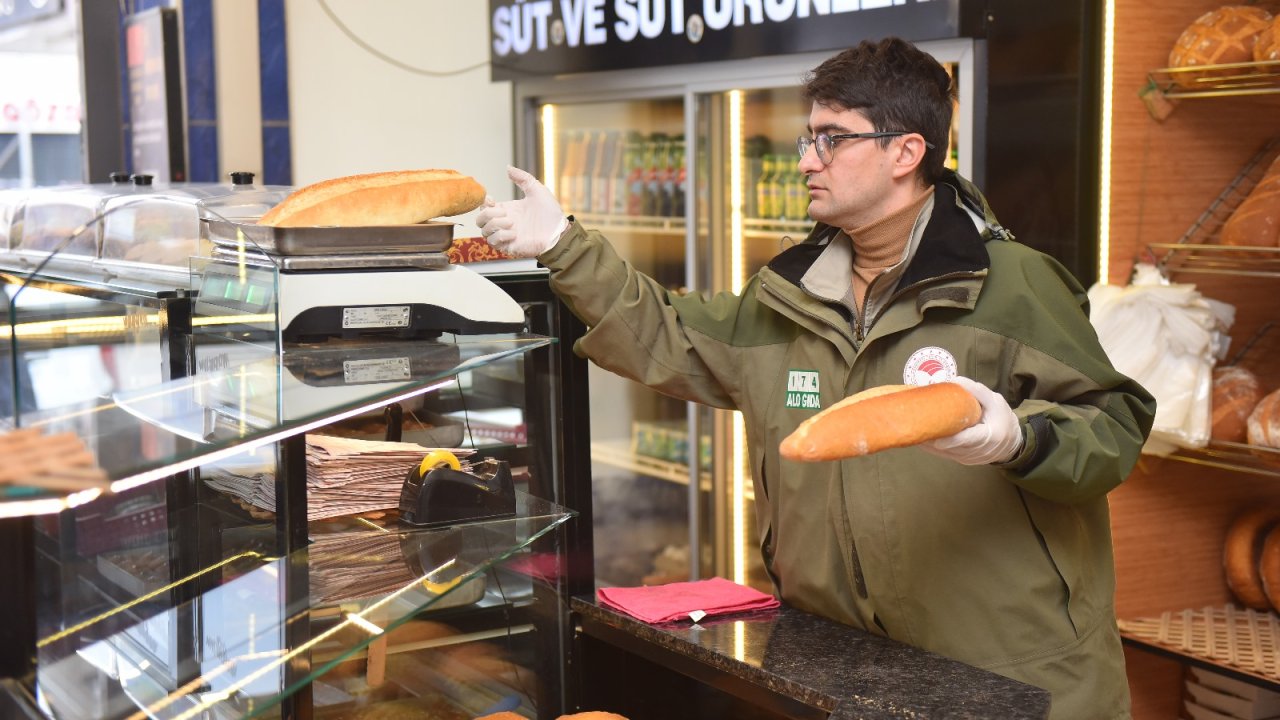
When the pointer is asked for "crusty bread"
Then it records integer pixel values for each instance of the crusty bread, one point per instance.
(1224, 35)
(1267, 46)
(592, 715)
(880, 418)
(1240, 555)
(387, 198)
(1269, 568)
(1256, 222)
(1236, 392)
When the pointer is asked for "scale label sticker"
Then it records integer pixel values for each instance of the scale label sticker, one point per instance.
(383, 370)
(380, 316)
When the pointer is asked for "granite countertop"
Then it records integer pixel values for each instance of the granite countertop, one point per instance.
(847, 672)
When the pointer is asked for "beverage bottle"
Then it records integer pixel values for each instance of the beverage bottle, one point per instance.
(778, 189)
(602, 175)
(627, 149)
(568, 156)
(797, 195)
(762, 186)
(586, 166)
(667, 180)
(635, 177)
(681, 182)
(653, 165)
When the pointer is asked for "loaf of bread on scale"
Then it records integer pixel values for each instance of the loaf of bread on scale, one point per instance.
(401, 197)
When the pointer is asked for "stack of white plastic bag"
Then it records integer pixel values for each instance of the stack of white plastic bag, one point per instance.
(1168, 337)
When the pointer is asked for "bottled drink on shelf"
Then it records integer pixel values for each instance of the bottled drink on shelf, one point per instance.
(764, 201)
(602, 172)
(635, 175)
(667, 178)
(797, 205)
(618, 184)
(681, 181)
(653, 168)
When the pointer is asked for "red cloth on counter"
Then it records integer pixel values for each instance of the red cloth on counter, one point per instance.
(674, 601)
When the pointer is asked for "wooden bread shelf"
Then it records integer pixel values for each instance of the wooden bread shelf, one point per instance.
(1237, 457)
(1244, 643)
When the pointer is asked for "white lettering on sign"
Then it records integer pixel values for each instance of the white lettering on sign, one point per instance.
(526, 25)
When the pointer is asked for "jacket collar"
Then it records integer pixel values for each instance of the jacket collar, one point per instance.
(952, 241)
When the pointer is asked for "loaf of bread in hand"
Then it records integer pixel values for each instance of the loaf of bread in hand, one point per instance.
(402, 197)
(880, 418)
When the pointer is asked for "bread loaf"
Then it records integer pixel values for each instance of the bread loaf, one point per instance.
(880, 418)
(1264, 422)
(1256, 222)
(1269, 567)
(1267, 46)
(1241, 552)
(1225, 35)
(1236, 391)
(385, 198)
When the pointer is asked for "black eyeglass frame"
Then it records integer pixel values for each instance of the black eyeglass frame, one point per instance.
(804, 141)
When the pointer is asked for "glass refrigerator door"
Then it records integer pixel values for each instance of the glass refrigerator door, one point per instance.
(698, 190)
(751, 203)
(619, 167)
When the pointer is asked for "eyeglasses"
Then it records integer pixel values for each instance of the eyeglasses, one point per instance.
(825, 144)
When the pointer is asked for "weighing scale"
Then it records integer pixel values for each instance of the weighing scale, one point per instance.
(345, 282)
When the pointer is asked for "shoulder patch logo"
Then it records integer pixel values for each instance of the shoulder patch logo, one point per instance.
(802, 390)
(929, 365)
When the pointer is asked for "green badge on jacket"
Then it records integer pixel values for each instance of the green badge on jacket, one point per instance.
(802, 390)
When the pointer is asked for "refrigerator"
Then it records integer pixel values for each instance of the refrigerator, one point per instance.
(671, 127)
(691, 174)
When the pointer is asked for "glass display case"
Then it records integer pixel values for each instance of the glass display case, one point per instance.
(213, 566)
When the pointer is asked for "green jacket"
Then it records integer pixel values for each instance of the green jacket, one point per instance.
(1005, 567)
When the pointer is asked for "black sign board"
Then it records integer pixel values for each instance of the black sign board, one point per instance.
(155, 94)
(17, 12)
(542, 37)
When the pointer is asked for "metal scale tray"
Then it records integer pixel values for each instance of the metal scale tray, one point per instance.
(419, 246)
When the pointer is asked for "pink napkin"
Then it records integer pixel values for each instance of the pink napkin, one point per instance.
(676, 601)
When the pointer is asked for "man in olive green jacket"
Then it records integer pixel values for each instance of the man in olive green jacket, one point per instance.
(993, 546)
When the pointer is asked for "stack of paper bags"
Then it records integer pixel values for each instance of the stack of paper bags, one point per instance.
(345, 476)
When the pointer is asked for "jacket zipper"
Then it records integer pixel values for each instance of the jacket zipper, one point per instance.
(862, 325)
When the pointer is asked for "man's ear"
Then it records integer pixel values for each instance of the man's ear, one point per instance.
(911, 151)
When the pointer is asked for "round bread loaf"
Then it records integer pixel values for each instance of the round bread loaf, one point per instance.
(1267, 46)
(880, 418)
(1225, 35)
(1264, 422)
(1241, 553)
(1236, 391)
(1256, 222)
(592, 715)
(1269, 567)
(386, 198)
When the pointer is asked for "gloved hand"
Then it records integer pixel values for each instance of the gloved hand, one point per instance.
(526, 227)
(996, 438)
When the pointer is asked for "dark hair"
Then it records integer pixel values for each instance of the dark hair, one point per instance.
(896, 86)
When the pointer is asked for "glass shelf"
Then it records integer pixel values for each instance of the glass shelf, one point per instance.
(275, 624)
(250, 401)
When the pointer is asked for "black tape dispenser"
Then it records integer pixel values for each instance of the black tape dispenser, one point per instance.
(438, 492)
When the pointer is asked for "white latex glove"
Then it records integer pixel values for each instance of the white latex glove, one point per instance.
(996, 438)
(526, 227)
